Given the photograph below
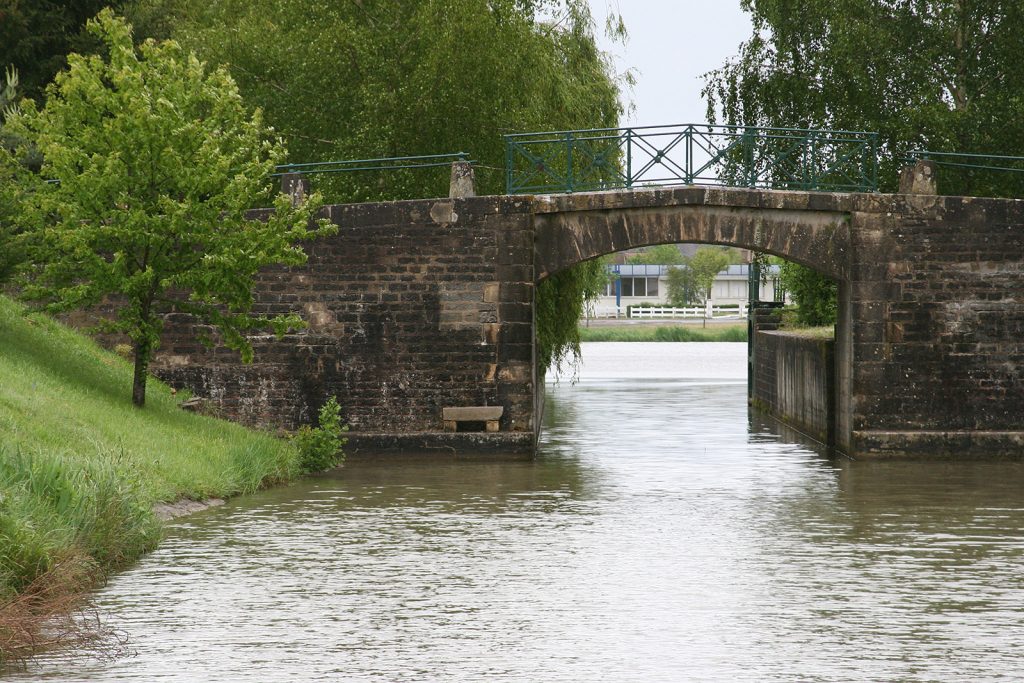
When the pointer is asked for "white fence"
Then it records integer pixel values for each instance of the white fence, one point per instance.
(707, 312)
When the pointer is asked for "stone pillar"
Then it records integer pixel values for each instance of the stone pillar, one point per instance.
(919, 178)
(296, 186)
(462, 182)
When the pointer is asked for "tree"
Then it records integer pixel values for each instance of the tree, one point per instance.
(407, 78)
(925, 74)
(152, 162)
(10, 254)
(682, 289)
(659, 255)
(375, 78)
(813, 294)
(36, 37)
(706, 264)
(934, 74)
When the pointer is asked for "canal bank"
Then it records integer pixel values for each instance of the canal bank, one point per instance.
(81, 471)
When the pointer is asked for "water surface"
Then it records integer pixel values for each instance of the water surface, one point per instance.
(663, 534)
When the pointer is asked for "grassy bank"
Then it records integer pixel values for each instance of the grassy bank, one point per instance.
(81, 468)
(666, 333)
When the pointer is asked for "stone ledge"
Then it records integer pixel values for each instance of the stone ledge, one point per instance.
(472, 413)
(939, 444)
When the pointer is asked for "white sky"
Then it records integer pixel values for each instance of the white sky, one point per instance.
(671, 44)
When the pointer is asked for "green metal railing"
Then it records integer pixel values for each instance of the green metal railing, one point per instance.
(383, 164)
(988, 175)
(689, 154)
(374, 180)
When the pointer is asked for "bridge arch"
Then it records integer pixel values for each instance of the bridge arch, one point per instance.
(806, 228)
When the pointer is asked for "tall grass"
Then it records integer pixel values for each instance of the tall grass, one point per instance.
(666, 333)
(81, 468)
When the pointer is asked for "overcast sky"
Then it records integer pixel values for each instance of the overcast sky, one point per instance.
(671, 43)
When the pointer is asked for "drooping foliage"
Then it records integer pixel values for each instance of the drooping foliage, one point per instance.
(386, 78)
(149, 164)
(925, 74)
(561, 299)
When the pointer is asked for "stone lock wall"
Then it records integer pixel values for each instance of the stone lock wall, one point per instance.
(412, 307)
(937, 333)
(794, 378)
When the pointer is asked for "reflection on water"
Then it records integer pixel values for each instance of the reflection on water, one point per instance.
(664, 534)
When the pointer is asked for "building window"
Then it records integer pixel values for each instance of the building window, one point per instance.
(635, 286)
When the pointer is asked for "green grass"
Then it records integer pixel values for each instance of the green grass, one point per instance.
(824, 332)
(665, 333)
(81, 468)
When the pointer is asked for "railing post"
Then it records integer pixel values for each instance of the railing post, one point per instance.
(629, 158)
(688, 169)
(461, 184)
(568, 161)
(296, 186)
(814, 161)
(748, 158)
(508, 165)
(874, 162)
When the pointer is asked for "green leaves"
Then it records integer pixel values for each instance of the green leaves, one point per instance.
(320, 446)
(382, 79)
(943, 75)
(157, 161)
(940, 75)
(813, 293)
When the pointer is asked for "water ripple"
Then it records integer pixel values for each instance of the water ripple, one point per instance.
(665, 534)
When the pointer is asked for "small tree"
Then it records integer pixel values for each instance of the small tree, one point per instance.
(682, 290)
(150, 163)
(707, 263)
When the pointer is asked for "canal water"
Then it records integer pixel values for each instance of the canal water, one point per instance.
(663, 534)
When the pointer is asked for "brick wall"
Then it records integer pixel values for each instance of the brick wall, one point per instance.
(938, 337)
(411, 307)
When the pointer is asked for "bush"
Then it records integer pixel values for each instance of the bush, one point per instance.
(320, 447)
(813, 293)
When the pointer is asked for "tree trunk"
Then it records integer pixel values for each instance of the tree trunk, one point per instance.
(139, 379)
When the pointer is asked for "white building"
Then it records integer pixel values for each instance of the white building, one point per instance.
(649, 284)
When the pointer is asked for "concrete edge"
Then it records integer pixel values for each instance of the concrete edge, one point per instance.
(496, 444)
(939, 444)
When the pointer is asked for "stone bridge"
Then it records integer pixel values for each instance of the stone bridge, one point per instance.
(418, 306)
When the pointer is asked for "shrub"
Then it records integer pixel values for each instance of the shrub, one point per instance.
(320, 447)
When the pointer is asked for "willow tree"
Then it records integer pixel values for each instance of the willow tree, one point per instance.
(380, 78)
(150, 162)
(925, 74)
(384, 78)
